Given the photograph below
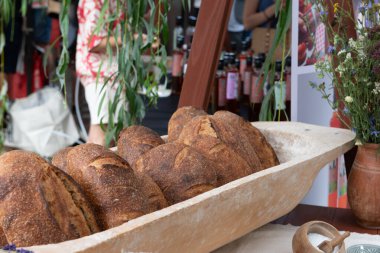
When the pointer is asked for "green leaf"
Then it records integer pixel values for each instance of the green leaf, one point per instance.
(2, 42)
(266, 106)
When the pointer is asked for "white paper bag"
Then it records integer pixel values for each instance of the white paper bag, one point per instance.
(42, 123)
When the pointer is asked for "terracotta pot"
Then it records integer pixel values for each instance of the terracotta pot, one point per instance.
(364, 186)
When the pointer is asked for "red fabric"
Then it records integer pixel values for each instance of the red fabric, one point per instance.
(16, 86)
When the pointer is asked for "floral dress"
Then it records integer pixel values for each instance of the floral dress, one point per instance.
(89, 64)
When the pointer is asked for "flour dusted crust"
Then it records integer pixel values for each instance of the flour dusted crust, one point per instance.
(179, 170)
(180, 118)
(110, 184)
(200, 134)
(135, 141)
(40, 205)
(59, 159)
(156, 198)
(251, 135)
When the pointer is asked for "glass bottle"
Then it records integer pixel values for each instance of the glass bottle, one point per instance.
(239, 83)
(256, 92)
(177, 74)
(186, 49)
(192, 21)
(233, 47)
(288, 74)
(178, 31)
(247, 80)
(232, 85)
(280, 94)
(220, 87)
(243, 58)
(250, 51)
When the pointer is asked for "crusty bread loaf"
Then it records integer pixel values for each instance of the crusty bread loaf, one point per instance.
(59, 159)
(114, 191)
(251, 134)
(3, 239)
(39, 203)
(150, 189)
(110, 184)
(235, 139)
(79, 198)
(179, 170)
(179, 119)
(134, 141)
(200, 134)
(80, 156)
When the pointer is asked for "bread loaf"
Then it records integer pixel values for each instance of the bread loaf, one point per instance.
(200, 134)
(59, 159)
(179, 119)
(235, 139)
(3, 239)
(179, 170)
(151, 190)
(252, 135)
(134, 141)
(39, 203)
(110, 184)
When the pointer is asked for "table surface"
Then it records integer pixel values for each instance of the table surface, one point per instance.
(340, 218)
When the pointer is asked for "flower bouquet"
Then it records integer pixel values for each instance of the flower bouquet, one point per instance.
(354, 67)
(353, 64)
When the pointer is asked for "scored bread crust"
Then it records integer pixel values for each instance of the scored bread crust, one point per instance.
(235, 139)
(251, 134)
(59, 159)
(156, 198)
(134, 141)
(110, 184)
(200, 134)
(179, 170)
(180, 118)
(36, 207)
(79, 198)
(114, 191)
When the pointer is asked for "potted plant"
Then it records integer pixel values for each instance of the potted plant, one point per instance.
(353, 63)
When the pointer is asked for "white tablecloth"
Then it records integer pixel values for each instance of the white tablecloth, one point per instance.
(278, 239)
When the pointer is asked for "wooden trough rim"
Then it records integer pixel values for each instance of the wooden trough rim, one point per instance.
(327, 141)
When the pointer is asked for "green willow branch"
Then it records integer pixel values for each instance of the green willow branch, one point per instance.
(284, 14)
(135, 75)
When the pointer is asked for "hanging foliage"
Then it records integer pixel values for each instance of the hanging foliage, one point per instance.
(141, 24)
(284, 15)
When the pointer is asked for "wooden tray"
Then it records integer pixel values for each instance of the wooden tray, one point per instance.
(217, 217)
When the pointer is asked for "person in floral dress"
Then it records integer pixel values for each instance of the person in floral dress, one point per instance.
(91, 60)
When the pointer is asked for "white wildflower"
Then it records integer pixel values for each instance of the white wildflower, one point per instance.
(358, 142)
(352, 43)
(376, 90)
(340, 69)
(343, 51)
(348, 56)
(349, 99)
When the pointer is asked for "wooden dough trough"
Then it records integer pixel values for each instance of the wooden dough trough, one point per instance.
(215, 218)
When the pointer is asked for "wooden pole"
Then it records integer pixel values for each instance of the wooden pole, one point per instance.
(206, 48)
